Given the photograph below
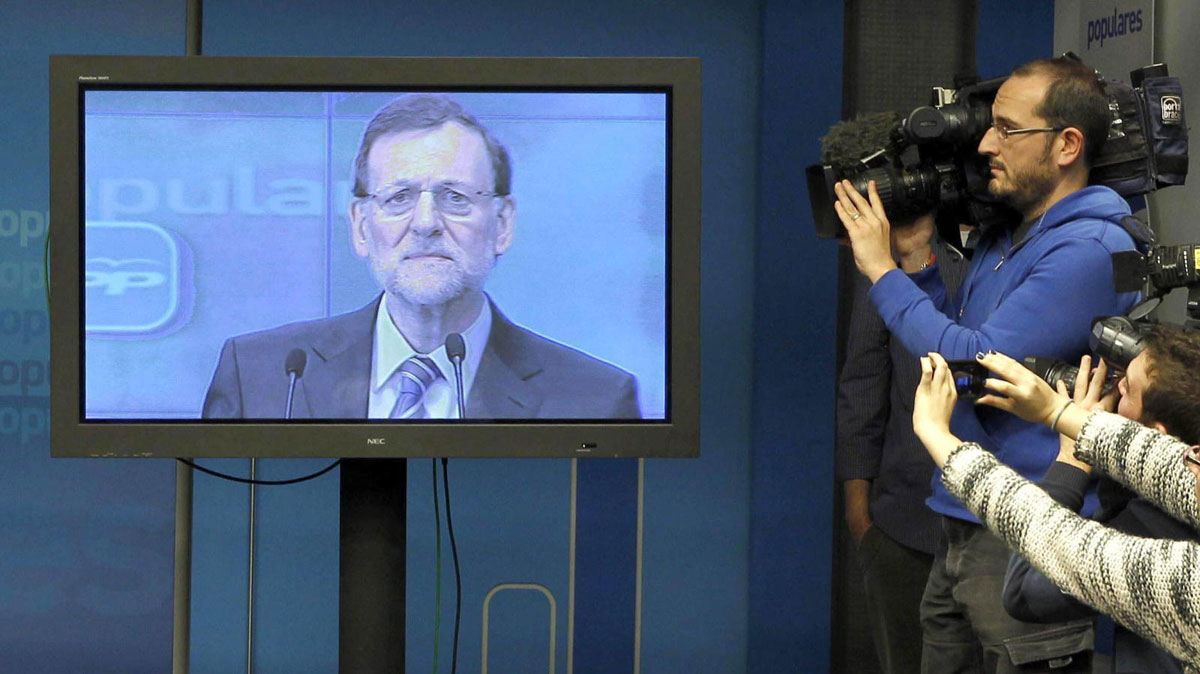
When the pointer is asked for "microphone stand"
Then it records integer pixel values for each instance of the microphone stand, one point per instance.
(292, 377)
(458, 384)
(456, 350)
(294, 366)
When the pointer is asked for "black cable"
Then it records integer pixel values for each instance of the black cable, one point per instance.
(243, 480)
(437, 589)
(457, 574)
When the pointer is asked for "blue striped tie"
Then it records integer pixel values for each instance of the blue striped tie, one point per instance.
(416, 374)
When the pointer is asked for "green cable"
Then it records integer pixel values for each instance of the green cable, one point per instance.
(437, 594)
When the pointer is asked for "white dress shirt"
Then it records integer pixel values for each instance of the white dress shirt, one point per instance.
(390, 349)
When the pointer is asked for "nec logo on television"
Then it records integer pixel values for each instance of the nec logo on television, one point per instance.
(1172, 109)
(137, 280)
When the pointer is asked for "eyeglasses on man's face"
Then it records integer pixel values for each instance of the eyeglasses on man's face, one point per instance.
(453, 199)
(1004, 130)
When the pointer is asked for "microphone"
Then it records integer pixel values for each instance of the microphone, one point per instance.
(293, 365)
(456, 351)
(848, 142)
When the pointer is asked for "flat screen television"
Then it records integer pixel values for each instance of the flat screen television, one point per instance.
(374, 257)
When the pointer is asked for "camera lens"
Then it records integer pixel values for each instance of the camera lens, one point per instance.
(1116, 340)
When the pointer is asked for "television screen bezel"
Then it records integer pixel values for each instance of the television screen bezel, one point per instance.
(70, 436)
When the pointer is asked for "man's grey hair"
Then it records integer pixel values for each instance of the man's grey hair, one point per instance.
(428, 111)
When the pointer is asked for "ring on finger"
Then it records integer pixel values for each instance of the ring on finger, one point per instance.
(855, 216)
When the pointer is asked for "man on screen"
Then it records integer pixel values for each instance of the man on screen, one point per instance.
(432, 212)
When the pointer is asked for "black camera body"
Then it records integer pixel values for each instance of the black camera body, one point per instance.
(970, 379)
(931, 160)
(1116, 339)
(929, 163)
(1157, 270)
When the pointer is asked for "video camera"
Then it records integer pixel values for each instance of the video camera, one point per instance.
(1119, 339)
(930, 159)
(929, 162)
(1158, 271)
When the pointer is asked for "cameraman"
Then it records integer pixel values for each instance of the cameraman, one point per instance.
(1030, 290)
(1150, 585)
(1160, 389)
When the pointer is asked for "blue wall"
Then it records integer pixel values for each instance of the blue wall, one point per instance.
(1011, 33)
(794, 350)
(85, 547)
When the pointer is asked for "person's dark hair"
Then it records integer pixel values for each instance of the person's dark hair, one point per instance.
(849, 141)
(428, 111)
(1075, 98)
(1172, 396)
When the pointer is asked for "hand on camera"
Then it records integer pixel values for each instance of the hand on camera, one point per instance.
(1088, 395)
(1019, 391)
(911, 242)
(932, 407)
(877, 244)
(1089, 387)
(868, 227)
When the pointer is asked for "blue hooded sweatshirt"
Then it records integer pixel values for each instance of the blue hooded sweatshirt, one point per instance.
(1037, 298)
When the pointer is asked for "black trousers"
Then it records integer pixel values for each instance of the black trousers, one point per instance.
(893, 580)
(966, 628)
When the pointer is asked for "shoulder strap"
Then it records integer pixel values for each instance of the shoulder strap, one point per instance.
(1143, 236)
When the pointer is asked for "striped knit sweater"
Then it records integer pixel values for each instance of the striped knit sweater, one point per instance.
(1151, 586)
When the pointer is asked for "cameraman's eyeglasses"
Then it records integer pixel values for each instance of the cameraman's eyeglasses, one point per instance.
(1004, 132)
(400, 199)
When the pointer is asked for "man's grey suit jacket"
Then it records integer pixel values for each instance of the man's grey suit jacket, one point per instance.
(522, 375)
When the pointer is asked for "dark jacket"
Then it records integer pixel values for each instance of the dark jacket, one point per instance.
(1032, 597)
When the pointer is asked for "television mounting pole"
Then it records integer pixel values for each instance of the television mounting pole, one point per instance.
(371, 576)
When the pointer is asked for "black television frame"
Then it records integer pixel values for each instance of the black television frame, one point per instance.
(71, 436)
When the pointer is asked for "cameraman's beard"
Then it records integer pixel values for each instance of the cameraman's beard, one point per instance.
(1026, 190)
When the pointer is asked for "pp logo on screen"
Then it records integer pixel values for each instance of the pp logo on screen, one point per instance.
(137, 280)
(1172, 110)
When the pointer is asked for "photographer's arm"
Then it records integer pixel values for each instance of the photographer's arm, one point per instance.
(1148, 585)
(912, 243)
(1145, 459)
(1028, 594)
